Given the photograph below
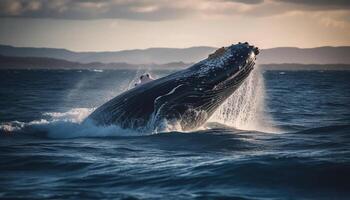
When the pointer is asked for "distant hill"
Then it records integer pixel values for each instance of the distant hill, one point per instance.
(296, 67)
(320, 55)
(11, 62)
(146, 56)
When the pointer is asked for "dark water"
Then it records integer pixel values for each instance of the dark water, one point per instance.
(45, 153)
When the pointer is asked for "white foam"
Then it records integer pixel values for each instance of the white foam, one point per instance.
(97, 70)
(75, 115)
(68, 125)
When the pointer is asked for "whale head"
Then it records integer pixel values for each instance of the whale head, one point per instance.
(202, 88)
(225, 64)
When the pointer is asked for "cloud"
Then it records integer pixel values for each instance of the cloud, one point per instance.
(326, 4)
(247, 1)
(92, 9)
(156, 10)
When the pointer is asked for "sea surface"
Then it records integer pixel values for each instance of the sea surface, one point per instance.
(284, 135)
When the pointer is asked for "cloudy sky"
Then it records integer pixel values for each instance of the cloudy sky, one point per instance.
(106, 25)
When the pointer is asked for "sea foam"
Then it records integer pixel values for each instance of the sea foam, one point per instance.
(68, 124)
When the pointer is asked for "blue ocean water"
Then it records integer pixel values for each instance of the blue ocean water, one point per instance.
(46, 153)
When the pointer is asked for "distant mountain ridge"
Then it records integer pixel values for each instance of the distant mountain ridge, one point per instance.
(318, 55)
(280, 55)
(137, 56)
(11, 62)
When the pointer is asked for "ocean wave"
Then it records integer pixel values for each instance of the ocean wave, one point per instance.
(70, 125)
(332, 129)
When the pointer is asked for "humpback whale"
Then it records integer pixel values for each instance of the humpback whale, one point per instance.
(187, 97)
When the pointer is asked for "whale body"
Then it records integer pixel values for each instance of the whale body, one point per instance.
(187, 97)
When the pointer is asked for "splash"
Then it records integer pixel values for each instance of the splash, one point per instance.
(65, 125)
(245, 108)
(97, 70)
(135, 80)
